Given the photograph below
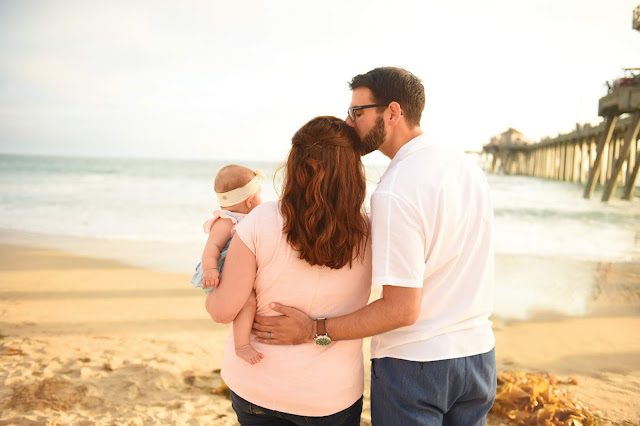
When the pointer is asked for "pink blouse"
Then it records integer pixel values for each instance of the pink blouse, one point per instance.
(307, 379)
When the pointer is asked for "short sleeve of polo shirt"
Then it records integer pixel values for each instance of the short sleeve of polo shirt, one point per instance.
(398, 238)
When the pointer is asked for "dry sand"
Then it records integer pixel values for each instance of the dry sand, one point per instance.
(86, 341)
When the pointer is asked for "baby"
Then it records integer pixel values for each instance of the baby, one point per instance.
(238, 191)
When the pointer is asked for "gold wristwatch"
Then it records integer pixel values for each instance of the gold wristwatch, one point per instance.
(322, 338)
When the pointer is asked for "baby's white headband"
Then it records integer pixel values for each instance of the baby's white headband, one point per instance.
(238, 195)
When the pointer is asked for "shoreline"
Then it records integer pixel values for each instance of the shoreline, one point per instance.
(138, 343)
(176, 257)
(528, 288)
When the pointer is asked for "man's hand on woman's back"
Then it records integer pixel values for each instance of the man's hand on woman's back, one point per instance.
(293, 327)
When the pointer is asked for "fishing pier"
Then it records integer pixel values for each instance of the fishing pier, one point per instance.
(607, 155)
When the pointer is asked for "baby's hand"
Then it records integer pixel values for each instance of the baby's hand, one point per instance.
(211, 278)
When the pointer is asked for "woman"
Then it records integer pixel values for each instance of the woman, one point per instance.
(310, 250)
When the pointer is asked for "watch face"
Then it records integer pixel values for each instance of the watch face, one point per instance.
(322, 340)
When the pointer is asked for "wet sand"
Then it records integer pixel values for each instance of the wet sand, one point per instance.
(92, 341)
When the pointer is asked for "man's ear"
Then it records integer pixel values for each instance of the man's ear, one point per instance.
(396, 113)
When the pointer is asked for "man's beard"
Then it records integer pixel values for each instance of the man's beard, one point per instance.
(376, 137)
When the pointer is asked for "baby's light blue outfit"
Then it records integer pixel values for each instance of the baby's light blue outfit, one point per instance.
(198, 275)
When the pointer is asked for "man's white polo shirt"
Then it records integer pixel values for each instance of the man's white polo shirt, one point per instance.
(432, 223)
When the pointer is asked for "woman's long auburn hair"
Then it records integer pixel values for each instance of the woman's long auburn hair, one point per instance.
(323, 194)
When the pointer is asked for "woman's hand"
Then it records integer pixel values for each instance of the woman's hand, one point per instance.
(293, 327)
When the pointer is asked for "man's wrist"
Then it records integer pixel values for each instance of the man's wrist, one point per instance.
(326, 327)
(321, 336)
(314, 329)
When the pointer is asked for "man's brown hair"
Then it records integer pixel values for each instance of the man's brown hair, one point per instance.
(389, 84)
(323, 193)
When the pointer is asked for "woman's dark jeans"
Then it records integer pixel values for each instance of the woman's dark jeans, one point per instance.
(251, 414)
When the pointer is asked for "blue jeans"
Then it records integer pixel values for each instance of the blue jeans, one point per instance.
(454, 392)
(251, 414)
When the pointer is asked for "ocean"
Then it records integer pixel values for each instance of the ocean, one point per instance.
(554, 249)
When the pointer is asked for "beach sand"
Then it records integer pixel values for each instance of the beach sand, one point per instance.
(88, 341)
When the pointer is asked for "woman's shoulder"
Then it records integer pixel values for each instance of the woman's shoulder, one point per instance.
(266, 208)
(262, 227)
(265, 215)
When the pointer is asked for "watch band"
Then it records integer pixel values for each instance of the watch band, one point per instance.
(321, 328)
(321, 339)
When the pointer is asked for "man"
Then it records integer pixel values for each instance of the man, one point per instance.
(432, 350)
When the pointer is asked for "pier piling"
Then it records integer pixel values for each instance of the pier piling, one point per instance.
(594, 170)
(624, 150)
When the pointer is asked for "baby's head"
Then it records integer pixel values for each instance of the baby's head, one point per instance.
(238, 188)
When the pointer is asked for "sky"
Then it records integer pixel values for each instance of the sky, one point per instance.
(232, 80)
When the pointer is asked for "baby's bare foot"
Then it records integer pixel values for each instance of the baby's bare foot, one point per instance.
(249, 354)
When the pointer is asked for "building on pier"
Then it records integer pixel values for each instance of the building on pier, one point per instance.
(510, 136)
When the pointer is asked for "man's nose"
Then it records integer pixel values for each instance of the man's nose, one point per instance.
(349, 121)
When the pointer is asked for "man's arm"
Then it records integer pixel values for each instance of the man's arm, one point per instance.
(398, 237)
(398, 307)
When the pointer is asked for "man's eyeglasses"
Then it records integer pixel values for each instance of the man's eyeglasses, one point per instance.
(352, 111)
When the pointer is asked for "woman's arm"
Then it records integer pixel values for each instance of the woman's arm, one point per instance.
(240, 267)
(219, 234)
